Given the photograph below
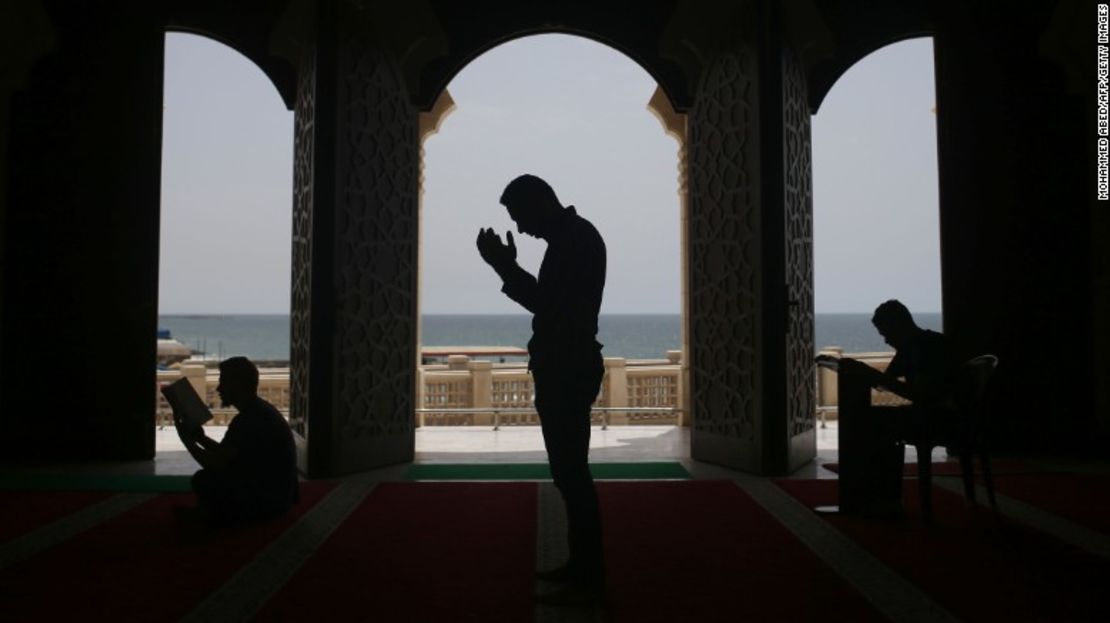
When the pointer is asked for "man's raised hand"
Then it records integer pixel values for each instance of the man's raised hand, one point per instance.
(493, 251)
(186, 432)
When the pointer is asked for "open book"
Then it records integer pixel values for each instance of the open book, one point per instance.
(187, 405)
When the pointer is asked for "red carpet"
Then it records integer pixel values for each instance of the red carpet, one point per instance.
(23, 511)
(435, 552)
(952, 468)
(980, 569)
(676, 551)
(704, 551)
(138, 566)
(1082, 498)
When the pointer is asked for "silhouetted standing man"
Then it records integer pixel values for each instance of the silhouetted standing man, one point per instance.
(565, 357)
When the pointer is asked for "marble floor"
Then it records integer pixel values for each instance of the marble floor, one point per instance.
(466, 444)
(524, 444)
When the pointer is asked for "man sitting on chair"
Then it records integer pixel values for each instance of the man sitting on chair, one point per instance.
(922, 372)
(252, 473)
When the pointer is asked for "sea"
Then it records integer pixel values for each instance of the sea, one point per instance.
(632, 336)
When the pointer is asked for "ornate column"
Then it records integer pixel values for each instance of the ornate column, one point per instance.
(797, 205)
(750, 248)
(674, 124)
(725, 248)
(430, 123)
(355, 236)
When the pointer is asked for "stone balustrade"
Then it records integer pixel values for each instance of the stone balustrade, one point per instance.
(469, 392)
(632, 392)
(273, 386)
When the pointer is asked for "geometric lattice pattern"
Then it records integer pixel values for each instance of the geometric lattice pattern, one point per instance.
(454, 394)
(724, 250)
(516, 393)
(800, 384)
(375, 245)
(653, 390)
(303, 184)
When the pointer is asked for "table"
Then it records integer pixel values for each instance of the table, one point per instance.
(870, 473)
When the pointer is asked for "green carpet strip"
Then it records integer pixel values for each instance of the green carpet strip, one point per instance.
(53, 533)
(887, 591)
(132, 483)
(541, 471)
(257, 581)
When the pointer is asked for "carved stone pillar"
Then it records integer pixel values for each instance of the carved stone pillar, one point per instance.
(797, 205)
(751, 259)
(675, 125)
(355, 236)
(724, 245)
(429, 122)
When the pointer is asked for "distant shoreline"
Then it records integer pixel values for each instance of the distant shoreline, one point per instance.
(278, 314)
(632, 336)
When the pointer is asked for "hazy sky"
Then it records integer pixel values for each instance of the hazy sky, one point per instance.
(875, 214)
(574, 112)
(227, 182)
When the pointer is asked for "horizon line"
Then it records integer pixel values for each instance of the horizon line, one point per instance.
(441, 313)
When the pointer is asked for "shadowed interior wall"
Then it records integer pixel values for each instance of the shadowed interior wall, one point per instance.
(81, 262)
(1015, 259)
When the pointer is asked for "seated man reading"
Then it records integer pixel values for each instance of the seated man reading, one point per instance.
(921, 368)
(921, 372)
(252, 473)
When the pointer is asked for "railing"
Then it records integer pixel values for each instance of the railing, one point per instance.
(466, 392)
(654, 394)
(598, 415)
(273, 387)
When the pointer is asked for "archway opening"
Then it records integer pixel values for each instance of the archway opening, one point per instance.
(224, 286)
(876, 210)
(575, 112)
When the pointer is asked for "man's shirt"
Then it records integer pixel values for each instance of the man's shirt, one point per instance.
(565, 298)
(926, 365)
(265, 455)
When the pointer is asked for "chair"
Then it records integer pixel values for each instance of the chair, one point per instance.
(964, 429)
